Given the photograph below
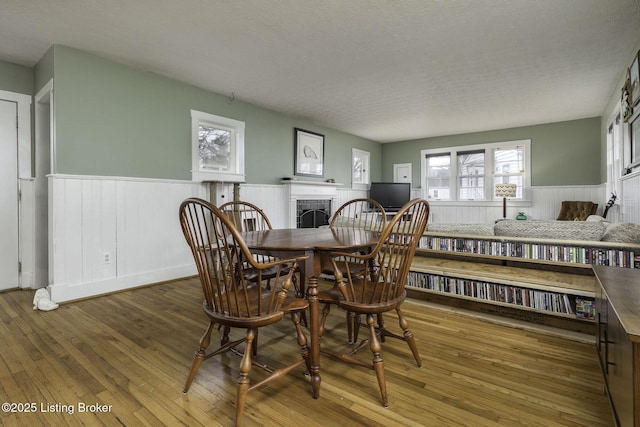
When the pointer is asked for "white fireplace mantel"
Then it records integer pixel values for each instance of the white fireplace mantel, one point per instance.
(308, 190)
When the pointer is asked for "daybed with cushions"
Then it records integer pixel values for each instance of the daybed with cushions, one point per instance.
(590, 230)
(534, 270)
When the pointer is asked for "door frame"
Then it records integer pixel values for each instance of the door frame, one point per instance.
(24, 180)
(44, 167)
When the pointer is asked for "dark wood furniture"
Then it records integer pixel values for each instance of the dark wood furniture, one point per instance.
(231, 300)
(316, 244)
(378, 286)
(361, 214)
(365, 214)
(246, 216)
(618, 340)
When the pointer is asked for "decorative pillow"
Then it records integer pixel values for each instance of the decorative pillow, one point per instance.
(471, 229)
(623, 232)
(596, 218)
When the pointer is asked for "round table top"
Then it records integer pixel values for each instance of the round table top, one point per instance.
(307, 239)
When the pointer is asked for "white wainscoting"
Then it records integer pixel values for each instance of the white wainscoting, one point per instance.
(135, 222)
(131, 222)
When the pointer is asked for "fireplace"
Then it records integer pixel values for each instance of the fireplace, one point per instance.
(312, 213)
(316, 197)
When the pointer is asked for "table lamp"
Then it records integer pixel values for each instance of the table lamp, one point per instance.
(504, 191)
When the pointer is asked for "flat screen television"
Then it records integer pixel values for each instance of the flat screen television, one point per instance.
(391, 195)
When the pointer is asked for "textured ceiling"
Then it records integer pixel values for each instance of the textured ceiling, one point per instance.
(386, 70)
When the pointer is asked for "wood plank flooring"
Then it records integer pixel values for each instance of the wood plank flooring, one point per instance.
(129, 353)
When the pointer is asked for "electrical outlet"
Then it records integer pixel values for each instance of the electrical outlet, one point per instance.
(107, 257)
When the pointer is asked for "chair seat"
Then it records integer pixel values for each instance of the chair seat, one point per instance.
(354, 268)
(330, 296)
(334, 296)
(291, 304)
(251, 274)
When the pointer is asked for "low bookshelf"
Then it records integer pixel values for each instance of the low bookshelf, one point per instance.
(543, 281)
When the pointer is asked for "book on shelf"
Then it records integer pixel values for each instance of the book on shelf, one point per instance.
(585, 308)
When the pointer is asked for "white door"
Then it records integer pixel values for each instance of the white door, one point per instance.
(8, 195)
(402, 172)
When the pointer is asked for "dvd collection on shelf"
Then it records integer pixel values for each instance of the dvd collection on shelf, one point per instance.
(553, 302)
(531, 298)
(534, 251)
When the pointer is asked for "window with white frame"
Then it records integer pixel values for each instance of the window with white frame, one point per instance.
(509, 167)
(217, 148)
(615, 153)
(360, 171)
(470, 173)
(438, 171)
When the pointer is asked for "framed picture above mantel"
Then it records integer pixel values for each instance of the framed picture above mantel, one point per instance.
(308, 153)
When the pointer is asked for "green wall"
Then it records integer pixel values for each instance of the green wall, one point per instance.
(564, 153)
(114, 120)
(16, 78)
(43, 71)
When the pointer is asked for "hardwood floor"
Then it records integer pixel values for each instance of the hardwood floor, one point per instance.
(130, 352)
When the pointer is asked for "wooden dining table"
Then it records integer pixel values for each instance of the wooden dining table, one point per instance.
(317, 244)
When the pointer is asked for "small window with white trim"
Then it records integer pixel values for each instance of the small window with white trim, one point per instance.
(217, 148)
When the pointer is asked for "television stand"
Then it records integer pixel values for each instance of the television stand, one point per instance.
(388, 214)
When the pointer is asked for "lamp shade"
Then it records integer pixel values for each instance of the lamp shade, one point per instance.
(506, 190)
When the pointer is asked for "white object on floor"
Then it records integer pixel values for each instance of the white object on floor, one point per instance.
(42, 301)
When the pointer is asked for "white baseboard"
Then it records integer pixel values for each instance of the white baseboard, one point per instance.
(62, 292)
(26, 280)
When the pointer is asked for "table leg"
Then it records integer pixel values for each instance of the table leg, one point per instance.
(314, 326)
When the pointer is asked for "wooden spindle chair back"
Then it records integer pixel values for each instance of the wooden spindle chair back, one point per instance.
(233, 301)
(357, 214)
(380, 287)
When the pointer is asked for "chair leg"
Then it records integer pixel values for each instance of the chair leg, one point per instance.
(381, 326)
(254, 347)
(378, 365)
(199, 356)
(302, 340)
(225, 335)
(243, 381)
(356, 327)
(299, 286)
(350, 320)
(323, 319)
(408, 337)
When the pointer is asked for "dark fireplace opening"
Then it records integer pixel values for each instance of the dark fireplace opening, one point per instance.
(313, 213)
